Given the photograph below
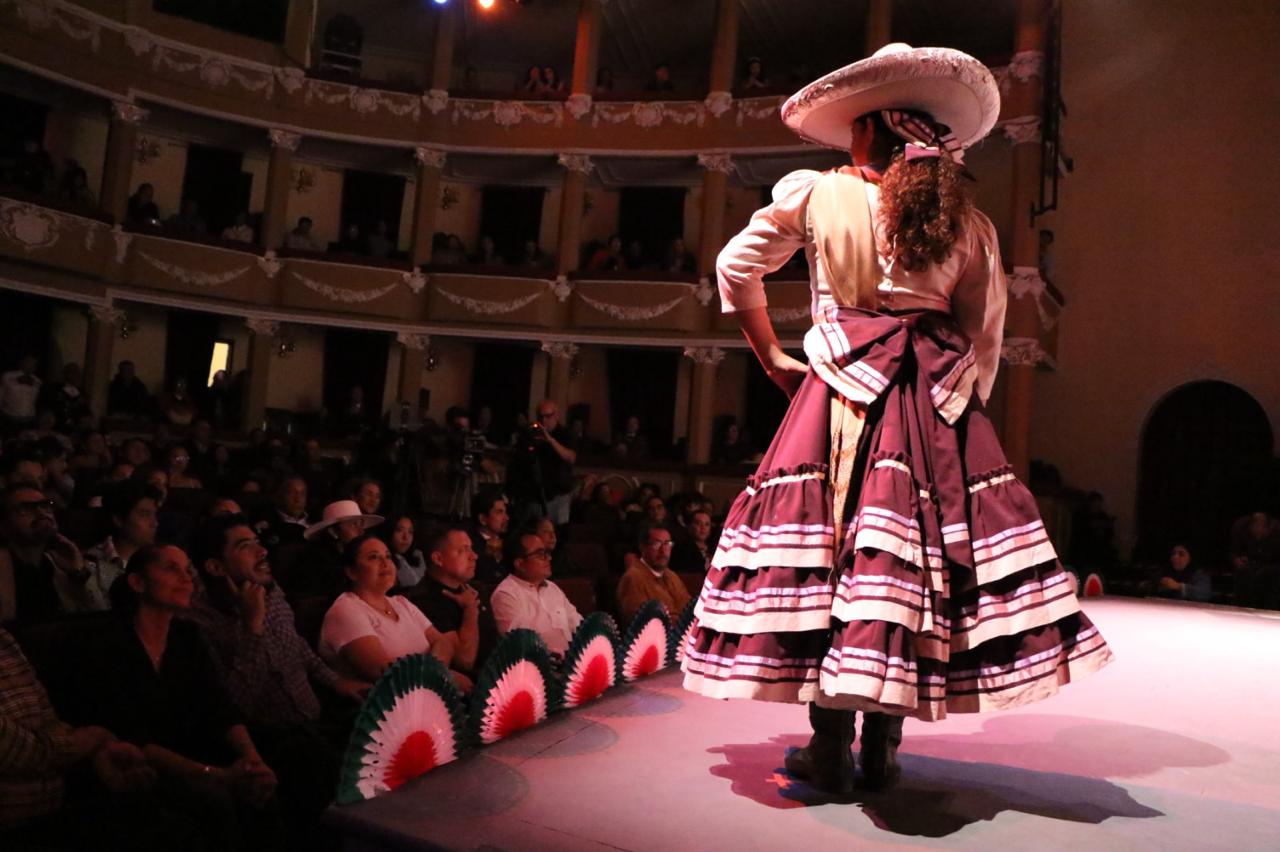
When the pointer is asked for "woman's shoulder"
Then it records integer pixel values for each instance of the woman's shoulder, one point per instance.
(795, 186)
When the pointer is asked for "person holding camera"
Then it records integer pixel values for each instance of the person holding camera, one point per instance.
(540, 476)
(464, 449)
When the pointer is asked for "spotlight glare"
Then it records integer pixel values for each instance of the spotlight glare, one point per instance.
(440, 2)
(485, 4)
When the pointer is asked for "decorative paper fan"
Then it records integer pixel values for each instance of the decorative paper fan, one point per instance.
(591, 663)
(645, 647)
(512, 690)
(411, 722)
(680, 633)
(1093, 586)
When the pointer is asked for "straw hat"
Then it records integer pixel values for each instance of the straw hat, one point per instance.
(952, 87)
(339, 511)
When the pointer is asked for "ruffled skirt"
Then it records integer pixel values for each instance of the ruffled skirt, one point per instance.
(942, 592)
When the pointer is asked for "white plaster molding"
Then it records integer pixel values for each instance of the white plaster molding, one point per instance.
(578, 105)
(561, 288)
(138, 40)
(414, 279)
(705, 292)
(560, 349)
(718, 102)
(108, 314)
(1026, 281)
(435, 100)
(270, 264)
(1024, 352)
(129, 113)
(580, 163)
(284, 139)
(413, 340)
(716, 162)
(1022, 130)
(290, 79)
(261, 326)
(430, 157)
(709, 355)
(1026, 65)
(123, 239)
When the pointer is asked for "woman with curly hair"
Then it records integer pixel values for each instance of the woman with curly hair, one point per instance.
(884, 557)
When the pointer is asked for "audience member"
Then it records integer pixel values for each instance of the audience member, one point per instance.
(74, 186)
(634, 257)
(655, 510)
(546, 530)
(650, 577)
(151, 680)
(540, 470)
(365, 630)
(142, 209)
(411, 565)
(33, 169)
(35, 557)
(1183, 579)
(528, 599)
(679, 259)
(551, 82)
(754, 80)
(301, 238)
(127, 396)
(532, 83)
(486, 253)
(379, 243)
(1255, 558)
(287, 523)
(447, 598)
(178, 459)
(633, 439)
(660, 80)
(607, 258)
(319, 569)
(177, 408)
(352, 241)
(692, 554)
(533, 257)
(448, 250)
(489, 518)
(134, 511)
(19, 392)
(187, 222)
(368, 495)
(730, 446)
(239, 231)
(66, 399)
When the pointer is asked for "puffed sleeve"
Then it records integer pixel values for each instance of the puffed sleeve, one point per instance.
(774, 233)
(978, 302)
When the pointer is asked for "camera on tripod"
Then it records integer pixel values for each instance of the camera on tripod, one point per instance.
(473, 444)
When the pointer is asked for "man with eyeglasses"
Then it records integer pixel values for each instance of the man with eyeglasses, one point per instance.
(34, 552)
(651, 578)
(540, 475)
(528, 599)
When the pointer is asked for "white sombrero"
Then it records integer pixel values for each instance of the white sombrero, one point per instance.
(339, 511)
(952, 87)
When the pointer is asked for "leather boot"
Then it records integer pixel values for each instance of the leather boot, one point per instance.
(878, 753)
(827, 762)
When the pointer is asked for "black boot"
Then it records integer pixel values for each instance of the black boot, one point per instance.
(878, 754)
(827, 762)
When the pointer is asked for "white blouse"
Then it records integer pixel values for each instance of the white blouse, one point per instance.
(351, 618)
(969, 284)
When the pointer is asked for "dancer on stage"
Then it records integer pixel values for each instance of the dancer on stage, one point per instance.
(884, 557)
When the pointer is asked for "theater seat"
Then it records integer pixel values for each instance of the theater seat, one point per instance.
(587, 558)
(693, 581)
(580, 591)
(308, 617)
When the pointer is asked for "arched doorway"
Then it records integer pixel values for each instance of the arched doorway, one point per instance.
(1206, 459)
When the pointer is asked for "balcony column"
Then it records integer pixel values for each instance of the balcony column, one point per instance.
(426, 202)
(572, 199)
(275, 210)
(715, 189)
(117, 170)
(299, 32)
(560, 372)
(879, 22)
(262, 335)
(724, 58)
(98, 345)
(1023, 104)
(586, 53)
(442, 56)
(413, 362)
(702, 398)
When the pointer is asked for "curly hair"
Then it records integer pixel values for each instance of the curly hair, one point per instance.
(922, 205)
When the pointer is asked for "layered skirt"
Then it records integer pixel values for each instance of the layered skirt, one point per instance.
(936, 589)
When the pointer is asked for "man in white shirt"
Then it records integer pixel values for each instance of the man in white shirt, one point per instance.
(301, 237)
(19, 390)
(528, 599)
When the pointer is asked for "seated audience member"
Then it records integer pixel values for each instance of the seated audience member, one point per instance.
(545, 528)
(411, 565)
(268, 669)
(38, 751)
(754, 81)
(66, 399)
(151, 680)
(532, 83)
(633, 438)
(22, 466)
(142, 209)
(692, 554)
(634, 257)
(301, 238)
(75, 186)
(366, 630)
(239, 230)
(680, 259)
(59, 484)
(448, 250)
(490, 519)
(449, 603)
(650, 577)
(528, 599)
(607, 258)
(1255, 557)
(288, 522)
(532, 256)
(486, 253)
(223, 507)
(319, 568)
(34, 557)
(551, 82)
(178, 459)
(1183, 579)
(352, 241)
(127, 396)
(19, 392)
(730, 447)
(134, 510)
(368, 495)
(187, 222)
(177, 408)
(655, 510)
(379, 243)
(660, 81)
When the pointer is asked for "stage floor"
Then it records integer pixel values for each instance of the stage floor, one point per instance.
(1176, 745)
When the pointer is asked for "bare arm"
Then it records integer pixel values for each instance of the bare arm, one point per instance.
(366, 657)
(783, 370)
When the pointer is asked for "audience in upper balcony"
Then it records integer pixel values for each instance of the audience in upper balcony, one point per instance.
(529, 600)
(74, 186)
(634, 257)
(532, 83)
(679, 259)
(660, 79)
(532, 256)
(447, 250)
(19, 392)
(608, 257)
(754, 80)
(551, 82)
(301, 237)
(1255, 559)
(239, 231)
(127, 396)
(66, 399)
(729, 445)
(351, 242)
(142, 209)
(33, 169)
(187, 222)
(486, 253)
(379, 243)
(631, 442)
(177, 408)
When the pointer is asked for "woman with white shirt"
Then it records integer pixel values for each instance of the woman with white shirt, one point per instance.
(884, 557)
(366, 630)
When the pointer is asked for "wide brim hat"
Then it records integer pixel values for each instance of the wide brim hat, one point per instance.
(951, 86)
(339, 511)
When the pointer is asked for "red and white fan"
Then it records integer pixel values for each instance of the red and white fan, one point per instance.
(411, 722)
(514, 689)
(645, 647)
(591, 662)
(680, 633)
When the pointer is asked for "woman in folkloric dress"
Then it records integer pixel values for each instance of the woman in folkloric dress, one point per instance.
(884, 557)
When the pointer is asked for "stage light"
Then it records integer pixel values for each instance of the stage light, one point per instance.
(485, 4)
(440, 2)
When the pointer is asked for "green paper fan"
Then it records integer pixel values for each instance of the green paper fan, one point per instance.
(591, 663)
(680, 633)
(515, 688)
(410, 723)
(645, 646)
